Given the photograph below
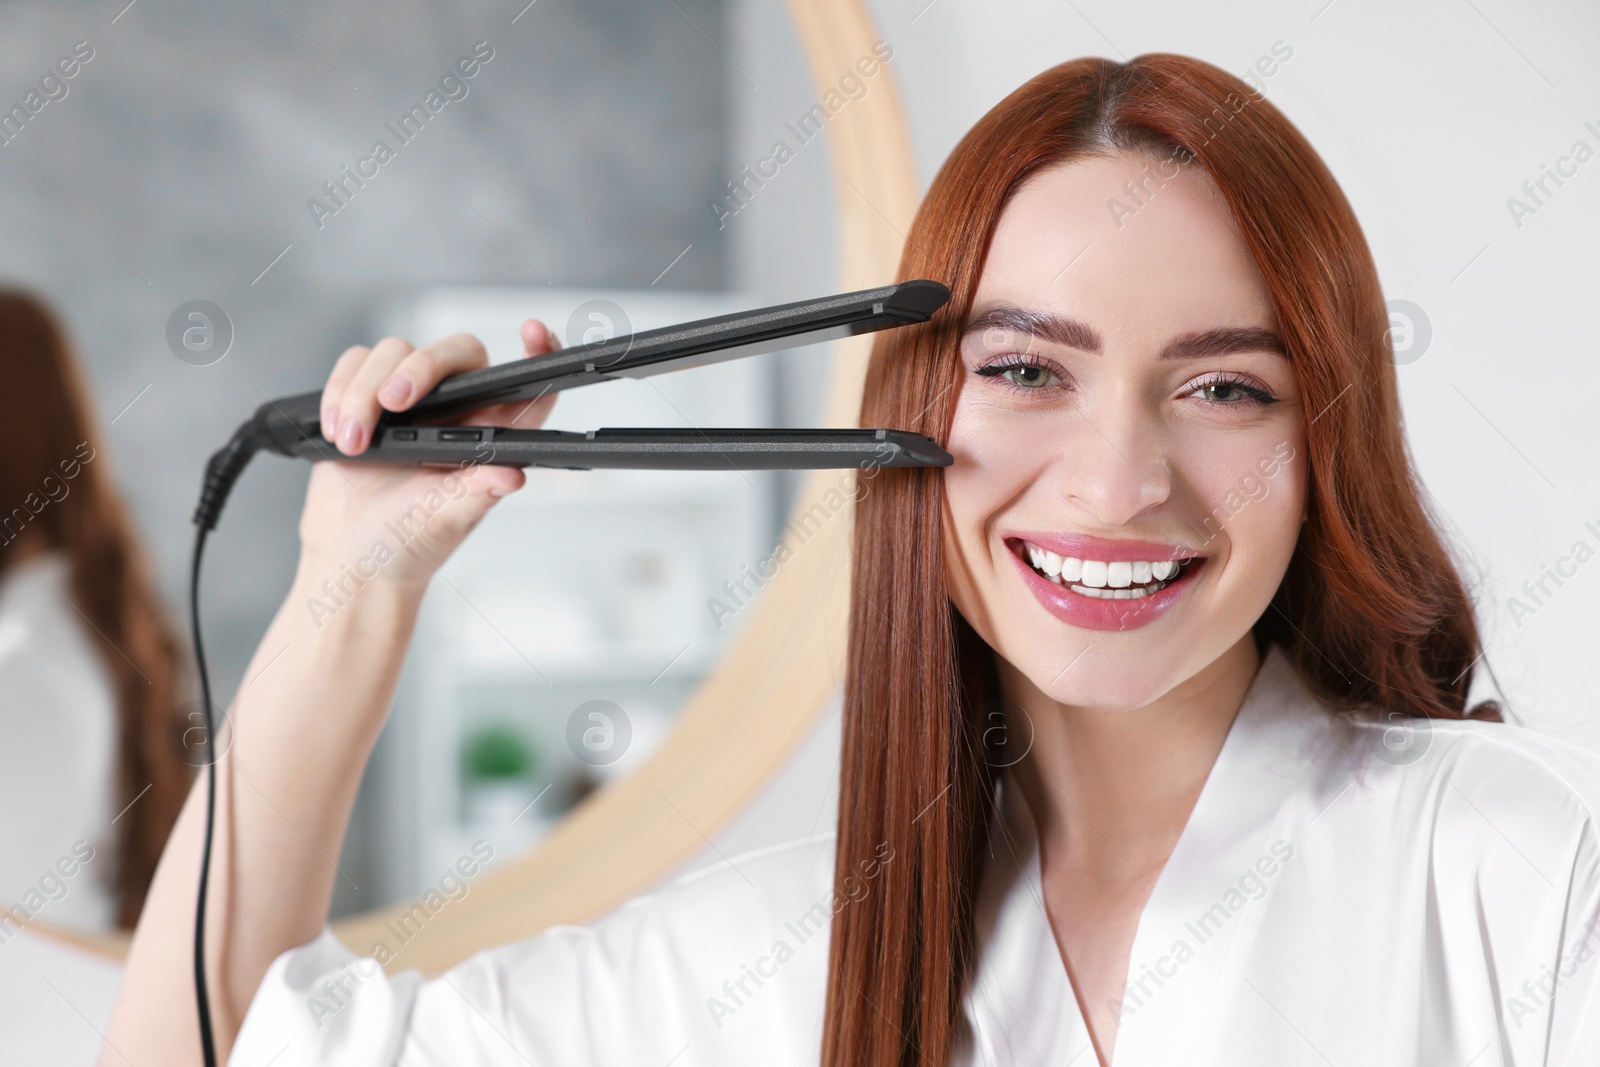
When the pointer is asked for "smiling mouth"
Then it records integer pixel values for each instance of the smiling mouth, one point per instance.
(1105, 579)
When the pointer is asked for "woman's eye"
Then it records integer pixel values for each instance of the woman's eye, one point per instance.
(1232, 392)
(1223, 391)
(1031, 377)
(1022, 375)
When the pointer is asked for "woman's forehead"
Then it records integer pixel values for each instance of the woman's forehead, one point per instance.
(1111, 241)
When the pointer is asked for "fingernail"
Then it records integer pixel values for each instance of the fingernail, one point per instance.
(396, 391)
(350, 436)
(497, 492)
(330, 424)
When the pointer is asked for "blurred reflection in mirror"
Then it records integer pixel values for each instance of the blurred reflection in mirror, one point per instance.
(91, 767)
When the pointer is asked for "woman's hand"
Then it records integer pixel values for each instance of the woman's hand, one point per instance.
(399, 524)
(310, 710)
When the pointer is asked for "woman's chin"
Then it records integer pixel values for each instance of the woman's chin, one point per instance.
(1112, 695)
(1112, 684)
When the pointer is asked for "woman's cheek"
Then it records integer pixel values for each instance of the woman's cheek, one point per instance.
(997, 455)
(976, 486)
(1253, 497)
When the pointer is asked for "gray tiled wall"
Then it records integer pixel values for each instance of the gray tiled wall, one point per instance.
(180, 162)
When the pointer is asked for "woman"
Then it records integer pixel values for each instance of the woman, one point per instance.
(1156, 742)
(91, 773)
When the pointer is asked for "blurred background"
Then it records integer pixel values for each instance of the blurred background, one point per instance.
(584, 163)
(582, 175)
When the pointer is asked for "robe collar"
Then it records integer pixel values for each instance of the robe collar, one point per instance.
(1020, 1007)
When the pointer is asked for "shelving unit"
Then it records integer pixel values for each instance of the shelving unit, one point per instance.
(583, 586)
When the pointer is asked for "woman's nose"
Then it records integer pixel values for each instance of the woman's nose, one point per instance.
(1114, 463)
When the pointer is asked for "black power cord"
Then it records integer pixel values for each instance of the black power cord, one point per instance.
(208, 1048)
(222, 470)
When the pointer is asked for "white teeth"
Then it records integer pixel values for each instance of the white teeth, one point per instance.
(1113, 594)
(1105, 579)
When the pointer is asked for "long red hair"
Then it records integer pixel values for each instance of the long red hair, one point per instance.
(47, 430)
(1372, 610)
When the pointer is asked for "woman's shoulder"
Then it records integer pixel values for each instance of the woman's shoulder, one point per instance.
(1521, 764)
(730, 960)
(42, 635)
(797, 864)
(1495, 794)
(737, 906)
(47, 663)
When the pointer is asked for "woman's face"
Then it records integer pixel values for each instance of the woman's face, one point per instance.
(1126, 415)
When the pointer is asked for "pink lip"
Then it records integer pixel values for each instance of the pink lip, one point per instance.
(1094, 613)
(1082, 546)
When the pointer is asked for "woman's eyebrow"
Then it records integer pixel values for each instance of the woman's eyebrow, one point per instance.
(1063, 330)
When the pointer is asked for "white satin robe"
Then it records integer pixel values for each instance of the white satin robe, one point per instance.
(1343, 894)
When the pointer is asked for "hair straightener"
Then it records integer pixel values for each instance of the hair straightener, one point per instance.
(291, 426)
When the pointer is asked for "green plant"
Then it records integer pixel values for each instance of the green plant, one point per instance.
(497, 752)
